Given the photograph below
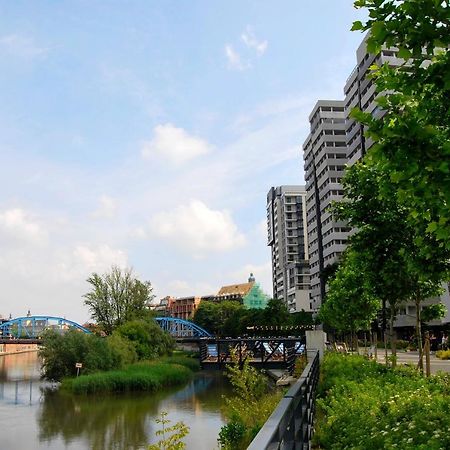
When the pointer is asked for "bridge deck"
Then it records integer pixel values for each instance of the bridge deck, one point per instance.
(269, 353)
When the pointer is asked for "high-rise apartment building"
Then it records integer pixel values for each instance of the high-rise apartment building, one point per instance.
(287, 237)
(337, 140)
(325, 155)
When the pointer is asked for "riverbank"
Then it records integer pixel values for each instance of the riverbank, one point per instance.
(144, 376)
(18, 352)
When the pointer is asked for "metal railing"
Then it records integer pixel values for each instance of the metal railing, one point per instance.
(290, 425)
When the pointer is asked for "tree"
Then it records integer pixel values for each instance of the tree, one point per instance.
(412, 137)
(117, 297)
(351, 304)
(60, 353)
(148, 339)
(384, 243)
(220, 318)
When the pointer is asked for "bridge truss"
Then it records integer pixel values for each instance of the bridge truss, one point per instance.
(181, 328)
(32, 327)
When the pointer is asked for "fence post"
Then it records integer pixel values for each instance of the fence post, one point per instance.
(427, 354)
(315, 340)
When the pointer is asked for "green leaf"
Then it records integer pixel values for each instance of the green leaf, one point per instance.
(357, 25)
(431, 227)
(404, 53)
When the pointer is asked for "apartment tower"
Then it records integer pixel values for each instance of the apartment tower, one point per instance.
(325, 156)
(287, 237)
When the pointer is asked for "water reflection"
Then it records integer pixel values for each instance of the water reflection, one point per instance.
(54, 420)
(104, 423)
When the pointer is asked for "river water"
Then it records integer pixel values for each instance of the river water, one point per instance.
(34, 415)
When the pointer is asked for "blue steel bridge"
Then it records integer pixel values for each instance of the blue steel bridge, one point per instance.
(32, 327)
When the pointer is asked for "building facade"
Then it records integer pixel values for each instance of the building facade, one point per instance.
(336, 140)
(288, 239)
(325, 156)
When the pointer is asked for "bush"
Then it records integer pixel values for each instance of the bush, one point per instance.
(149, 340)
(60, 353)
(248, 409)
(367, 406)
(443, 354)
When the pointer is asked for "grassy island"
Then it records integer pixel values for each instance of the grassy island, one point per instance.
(142, 376)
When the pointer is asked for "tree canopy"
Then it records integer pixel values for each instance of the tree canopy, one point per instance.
(412, 137)
(117, 297)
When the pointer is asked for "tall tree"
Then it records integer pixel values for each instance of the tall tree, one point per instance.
(351, 304)
(412, 138)
(117, 297)
(391, 263)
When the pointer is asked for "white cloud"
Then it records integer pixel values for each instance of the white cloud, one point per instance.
(98, 258)
(198, 229)
(235, 61)
(18, 224)
(250, 40)
(107, 208)
(174, 144)
(21, 46)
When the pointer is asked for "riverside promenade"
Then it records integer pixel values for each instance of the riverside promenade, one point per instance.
(436, 364)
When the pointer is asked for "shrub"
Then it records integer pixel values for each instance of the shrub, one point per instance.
(443, 354)
(149, 340)
(248, 409)
(367, 406)
(60, 353)
(172, 435)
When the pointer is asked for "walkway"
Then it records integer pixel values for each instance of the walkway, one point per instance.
(412, 358)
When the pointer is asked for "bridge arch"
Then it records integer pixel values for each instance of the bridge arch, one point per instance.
(181, 328)
(32, 327)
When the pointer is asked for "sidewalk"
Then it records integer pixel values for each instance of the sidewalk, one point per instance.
(437, 365)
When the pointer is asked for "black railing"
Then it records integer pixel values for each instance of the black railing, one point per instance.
(269, 353)
(290, 425)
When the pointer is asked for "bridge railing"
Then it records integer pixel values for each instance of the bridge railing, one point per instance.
(290, 425)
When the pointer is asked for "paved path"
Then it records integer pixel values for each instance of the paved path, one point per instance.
(412, 358)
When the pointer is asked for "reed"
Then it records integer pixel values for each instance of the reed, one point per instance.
(143, 376)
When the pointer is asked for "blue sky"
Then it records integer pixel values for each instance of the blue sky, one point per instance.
(147, 134)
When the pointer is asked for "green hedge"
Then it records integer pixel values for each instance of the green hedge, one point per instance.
(364, 405)
(144, 376)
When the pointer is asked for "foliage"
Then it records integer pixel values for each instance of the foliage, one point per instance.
(148, 338)
(350, 303)
(117, 297)
(219, 317)
(172, 435)
(249, 408)
(60, 353)
(123, 349)
(230, 318)
(412, 137)
(433, 312)
(143, 376)
(368, 406)
(443, 354)
(231, 435)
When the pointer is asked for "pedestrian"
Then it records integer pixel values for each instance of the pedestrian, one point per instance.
(444, 342)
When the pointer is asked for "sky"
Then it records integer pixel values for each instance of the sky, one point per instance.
(146, 134)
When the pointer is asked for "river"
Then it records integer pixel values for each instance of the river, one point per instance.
(34, 415)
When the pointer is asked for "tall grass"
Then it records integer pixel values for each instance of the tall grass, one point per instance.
(143, 376)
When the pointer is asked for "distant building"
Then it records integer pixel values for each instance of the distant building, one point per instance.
(249, 294)
(288, 239)
(325, 155)
(184, 307)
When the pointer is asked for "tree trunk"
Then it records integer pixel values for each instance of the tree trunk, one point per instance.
(393, 337)
(419, 335)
